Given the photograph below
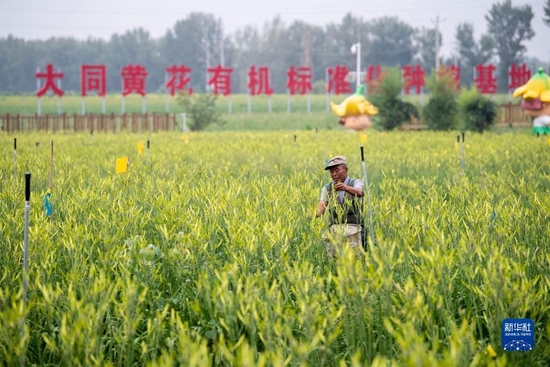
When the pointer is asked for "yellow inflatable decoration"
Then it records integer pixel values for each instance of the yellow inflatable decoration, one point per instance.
(355, 111)
(536, 101)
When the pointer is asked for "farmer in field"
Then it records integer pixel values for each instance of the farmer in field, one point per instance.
(342, 198)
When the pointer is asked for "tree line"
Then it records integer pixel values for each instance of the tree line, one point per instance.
(199, 42)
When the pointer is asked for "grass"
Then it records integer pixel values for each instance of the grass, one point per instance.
(206, 252)
(237, 104)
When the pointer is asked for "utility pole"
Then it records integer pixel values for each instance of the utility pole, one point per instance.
(222, 46)
(222, 54)
(207, 49)
(306, 39)
(356, 49)
(436, 45)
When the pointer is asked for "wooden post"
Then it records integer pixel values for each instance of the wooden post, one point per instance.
(113, 122)
(510, 119)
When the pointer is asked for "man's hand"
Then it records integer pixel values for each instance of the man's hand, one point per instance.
(355, 191)
(320, 209)
(339, 186)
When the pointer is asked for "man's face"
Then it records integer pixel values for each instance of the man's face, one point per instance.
(339, 173)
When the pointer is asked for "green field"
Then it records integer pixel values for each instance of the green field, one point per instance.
(238, 103)
(206, 252)
(239, 119)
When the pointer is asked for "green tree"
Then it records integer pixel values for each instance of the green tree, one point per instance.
(314, 52)
(134, 47)
(391, 42)
(441, 111)
(198, 42)
(247, 53)
(201, 110)
(392, 110)
(20, 59)
(509, 27)
(304, 48)
(425, 44)
(276, 46)
(338, 41)
(275, 51)
(477, 112)
(471, 53)
(18, 63)
(547, 13)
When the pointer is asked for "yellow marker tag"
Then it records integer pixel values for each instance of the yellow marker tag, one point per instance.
(456, 145)
(186, 139)
(122, 165)
(363, 138)
(140, 148)
(548, 141)
(491, 351)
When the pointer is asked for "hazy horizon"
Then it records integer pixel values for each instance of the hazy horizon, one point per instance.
(35, 20)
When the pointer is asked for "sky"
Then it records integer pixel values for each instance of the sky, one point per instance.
(81, 19)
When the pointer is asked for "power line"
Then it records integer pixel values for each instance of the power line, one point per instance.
(305, 11)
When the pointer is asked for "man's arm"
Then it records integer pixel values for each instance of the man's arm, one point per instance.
(320, 209)
(356, 190)
(322, 203)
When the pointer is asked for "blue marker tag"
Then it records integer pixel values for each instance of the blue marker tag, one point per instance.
(518, 335)
(47, 204)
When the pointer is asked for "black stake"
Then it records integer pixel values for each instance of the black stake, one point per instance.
(26, 235)
(14, 164)
(371, 226)
(26, 252)
(463, 134)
